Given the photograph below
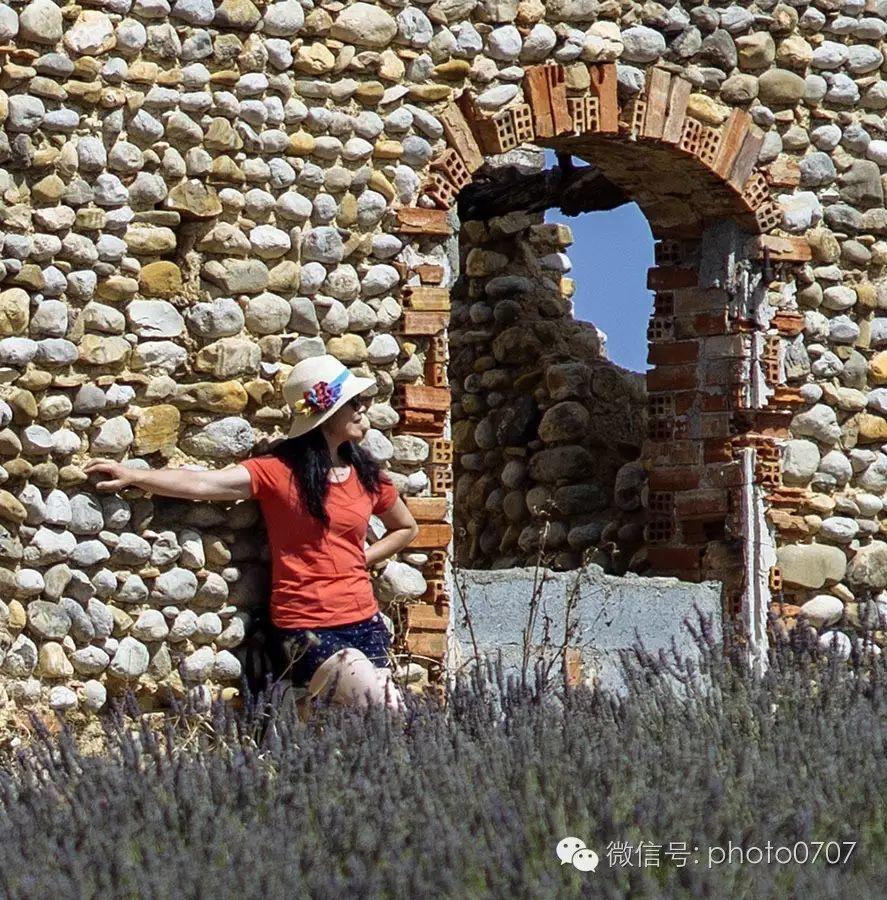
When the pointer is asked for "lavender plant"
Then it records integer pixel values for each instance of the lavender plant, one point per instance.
(471, 798)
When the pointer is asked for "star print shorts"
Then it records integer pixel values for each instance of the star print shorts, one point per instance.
(307, 648)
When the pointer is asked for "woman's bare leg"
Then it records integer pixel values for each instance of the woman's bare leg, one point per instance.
(393, 694)
(359, 681)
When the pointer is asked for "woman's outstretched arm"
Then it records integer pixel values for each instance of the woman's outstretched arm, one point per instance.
(232, 483)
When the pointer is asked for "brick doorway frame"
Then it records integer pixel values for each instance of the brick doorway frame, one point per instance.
(718, 404)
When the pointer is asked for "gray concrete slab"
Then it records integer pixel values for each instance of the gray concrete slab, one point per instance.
(603, 614)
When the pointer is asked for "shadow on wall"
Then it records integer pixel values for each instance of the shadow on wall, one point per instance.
(547, 430)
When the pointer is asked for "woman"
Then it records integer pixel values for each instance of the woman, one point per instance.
(317, 489)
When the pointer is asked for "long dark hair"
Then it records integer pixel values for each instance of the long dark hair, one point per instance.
(308, 457)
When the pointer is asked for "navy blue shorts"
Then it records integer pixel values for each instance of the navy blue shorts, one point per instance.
(307, 648)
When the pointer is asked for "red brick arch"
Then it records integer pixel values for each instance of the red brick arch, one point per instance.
(708, 429)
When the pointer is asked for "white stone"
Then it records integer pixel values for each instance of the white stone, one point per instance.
(840, 529)
(283, 19)
(818, 422)
(504, 43)
(155, 318)
(401, 581)
(836, 642)
(91, 33)
(113, 436)
(269, 242)
(823, 609)
(377, 445)
(364, 25)
(131, 659)
(642, 44)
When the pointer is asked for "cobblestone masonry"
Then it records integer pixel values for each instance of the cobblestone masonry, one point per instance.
(527, 377)
(197, 194)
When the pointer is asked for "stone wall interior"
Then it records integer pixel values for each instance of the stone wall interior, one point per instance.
(196, 194)
(546, 430)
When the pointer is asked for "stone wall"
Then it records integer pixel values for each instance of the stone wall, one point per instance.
(545, 427)
(198, 193)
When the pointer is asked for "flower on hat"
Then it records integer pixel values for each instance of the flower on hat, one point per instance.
(318, 398)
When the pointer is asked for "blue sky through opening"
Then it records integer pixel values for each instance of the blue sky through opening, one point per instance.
(611, 253)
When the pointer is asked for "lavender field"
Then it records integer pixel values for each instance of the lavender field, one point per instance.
(475, 799)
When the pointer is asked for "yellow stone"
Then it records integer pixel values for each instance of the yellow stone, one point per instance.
(430, 92)
(148, 240)
(481, 263)
(87, 91)
(18, 468)
(13, 72)
(170, 77)
(221, 396)
(86, 67)
(259, 390)
(872, 429)
(160, 279)
(45, 87)
(221, 136)
(142, 72)
(123, 621)
(707, 110)
(369, 92)
(578, 78)
(866, 295)
(347, 214)
(318, 22)
(824, 244)
(23, 405)
(284, 277)
(865, 334)
(194, 199)
(228, 77)
(878, 367)
(35, 380)
(454, 69)
(30, 276)
(301, 144)
(46, 156)
(49, 189)
(157, 428)
(314, 59)
(385, 149)
(391, 66)
(11, 508)
(52, 662)
(117, 288)
(18, 617)
(90, 219)
(349, 349)
(14, 311)
(101, 351)
(794, 53)
(225, 169)
(378, 182)
(463, 436)
(240, 14)
(113, 98)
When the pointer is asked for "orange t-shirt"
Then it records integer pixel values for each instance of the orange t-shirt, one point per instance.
(319, 577)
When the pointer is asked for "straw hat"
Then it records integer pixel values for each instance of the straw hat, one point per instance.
(317, 387)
